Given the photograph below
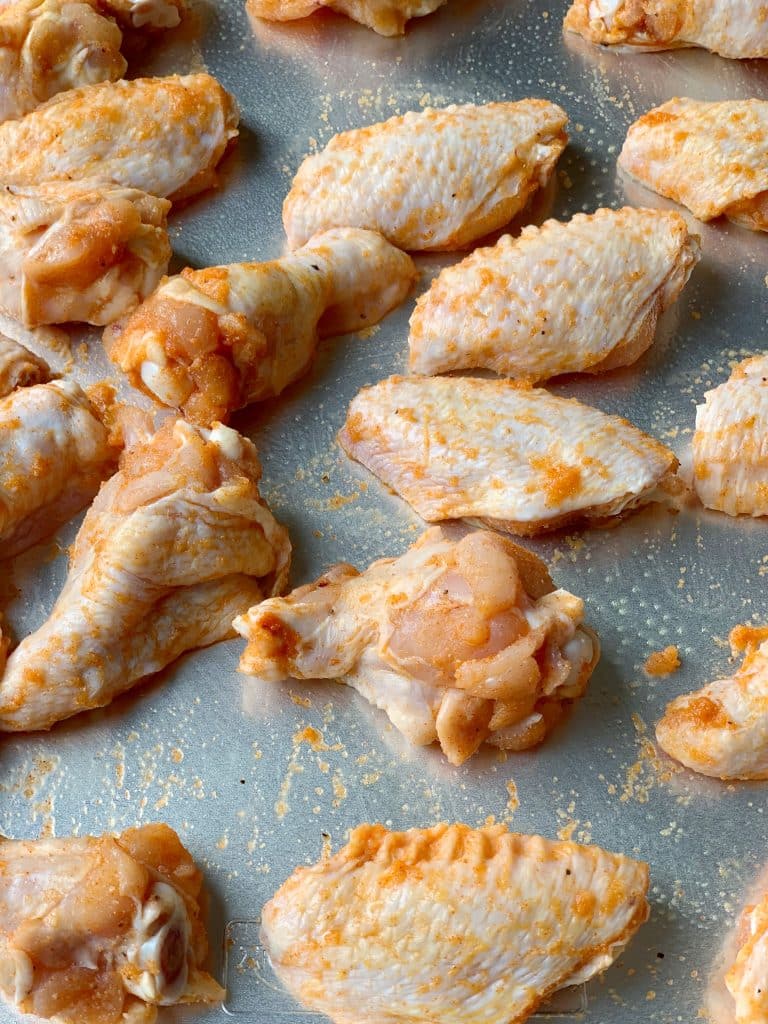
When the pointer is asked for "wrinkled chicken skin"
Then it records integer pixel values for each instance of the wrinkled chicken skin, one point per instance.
(747, 976)
(519, 459)
(459, 642)
(49, 46)
(584, 296)
(387, 17)
(102, 930)
(730, 446)
(711, 157)
(175, 545)
(417, 179)
(20, 368)
(732, 28)
(79, 251)
(211, 341)
(442, 923)
(56, 447)
(163, 136)
(722, 729)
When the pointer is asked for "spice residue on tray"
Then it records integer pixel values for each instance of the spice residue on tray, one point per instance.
(663, 663)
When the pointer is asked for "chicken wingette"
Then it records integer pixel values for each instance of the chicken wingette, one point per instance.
(387, 17)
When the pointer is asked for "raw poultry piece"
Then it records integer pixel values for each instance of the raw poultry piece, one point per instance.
(20, 368)
(387, 17)
(722, 729)
(711, 157)
(175, 545)
(164, 136)
(747, 977)
(439, 179)
(450, 924)
(584, 296)
(519, 459)
(49, 46)
(732, 28)
(460, 642)
(144, 14)
(102, 930)
(57, 444)
(730, 446)
(211, 341)
(79, 251)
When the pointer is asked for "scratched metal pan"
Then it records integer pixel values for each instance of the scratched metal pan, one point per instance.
(223, 760)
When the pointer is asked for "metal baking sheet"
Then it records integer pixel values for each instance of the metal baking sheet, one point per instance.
(230, 763)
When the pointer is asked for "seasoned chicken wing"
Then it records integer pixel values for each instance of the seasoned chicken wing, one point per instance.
(439, 923)
(711, 157)
(519, 459)
(747, 977)
(722, 729)
(387, 17)
(418, 179)
(211, 341)
(83, 251)
(730, 446)
(56, 447)
(584, 296)
(102, 930)
(164, 136)
(175, 545)
(20, 368)
(460, 642)
(732, 28)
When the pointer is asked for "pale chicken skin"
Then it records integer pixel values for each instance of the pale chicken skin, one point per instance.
(578, 297)
(164, 136)
(211, 341)
(144, 15)
(102, 930)
(387, 17)
(747, 977)
(79, 251)
(175, 545)
(732, 28)
(730, 446)
(519, 459)
(20, 368)
(710, 157)
(450, 924)
(417, 178)
(56, 446)
(459, 642)
(722, 729)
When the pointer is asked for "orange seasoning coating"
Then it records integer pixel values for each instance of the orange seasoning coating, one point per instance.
(663, 663)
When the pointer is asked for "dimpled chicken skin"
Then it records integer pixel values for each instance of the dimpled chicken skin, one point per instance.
(164, 136)
(211, 341)
(460, 642)
(417, 178)
(747, 977)
(102, 930)
(722, 729)
(584, 296)
(519, 459)
(732, 28)
(175, 545)
(711, 157)
(730, 445)
(450, 924)
(79, 251)
(387, 17)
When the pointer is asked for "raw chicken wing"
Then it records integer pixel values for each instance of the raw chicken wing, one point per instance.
(459, 642)
(144, 14)
(102, 930)
(175, 545)
(439, 179)
(450, 924)
(164, 136)
(519, 459)
(722, 729)
(79, 251)
(747, 978)
(211, 341)
(56, 447)
(20, 368)
(711, 157)
(585, 296)
(730, 446)
(732, 28)
(387, 17)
